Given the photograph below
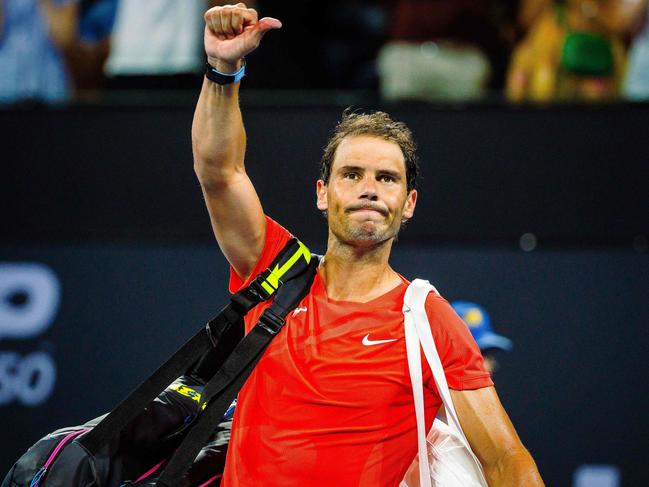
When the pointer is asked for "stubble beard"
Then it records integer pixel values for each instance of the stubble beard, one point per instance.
(362, 232)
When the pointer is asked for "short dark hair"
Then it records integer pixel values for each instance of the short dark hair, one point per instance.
(375, 124)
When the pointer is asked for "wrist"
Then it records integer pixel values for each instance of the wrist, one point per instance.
(227, 67)
(225, 77)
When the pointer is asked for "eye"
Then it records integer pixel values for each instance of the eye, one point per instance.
(386, 178)
(351, 175)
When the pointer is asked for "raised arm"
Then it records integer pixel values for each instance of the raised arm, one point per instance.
(219, 139)
(493, 439)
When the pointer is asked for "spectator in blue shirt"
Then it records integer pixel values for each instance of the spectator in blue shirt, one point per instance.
(43, 48)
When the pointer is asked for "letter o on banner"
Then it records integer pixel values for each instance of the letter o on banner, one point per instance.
(30, 295)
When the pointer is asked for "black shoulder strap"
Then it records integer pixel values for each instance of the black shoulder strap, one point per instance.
(199, 355)
(222, 389)
(226, 329)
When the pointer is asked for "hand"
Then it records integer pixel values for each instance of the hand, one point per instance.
(231, 32)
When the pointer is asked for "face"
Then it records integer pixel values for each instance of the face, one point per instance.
(366, 199)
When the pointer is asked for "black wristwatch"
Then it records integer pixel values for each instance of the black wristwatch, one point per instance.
(225, 78)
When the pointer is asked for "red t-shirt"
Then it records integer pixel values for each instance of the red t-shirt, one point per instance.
(330, 402)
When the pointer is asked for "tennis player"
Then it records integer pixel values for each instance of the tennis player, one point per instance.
(330, 403)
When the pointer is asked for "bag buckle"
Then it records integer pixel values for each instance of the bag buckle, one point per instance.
(257, 289)
(270, 322)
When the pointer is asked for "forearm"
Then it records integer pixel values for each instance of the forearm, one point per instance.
(515, 468)
(491, 434)
(219, 139)
(218, 136)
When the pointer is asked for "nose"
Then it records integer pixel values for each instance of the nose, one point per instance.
(368, 189)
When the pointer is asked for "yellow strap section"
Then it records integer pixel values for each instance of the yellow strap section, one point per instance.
(186, 391)
(267, 288)
(272, 281)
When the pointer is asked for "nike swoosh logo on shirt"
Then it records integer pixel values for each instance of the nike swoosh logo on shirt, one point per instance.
(298, 311)
(367, 342)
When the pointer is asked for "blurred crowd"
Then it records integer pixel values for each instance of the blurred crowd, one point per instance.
(56, 51)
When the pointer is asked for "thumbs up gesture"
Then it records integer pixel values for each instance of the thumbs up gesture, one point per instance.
(231, 32)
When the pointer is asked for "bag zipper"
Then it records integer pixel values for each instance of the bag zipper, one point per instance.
(211, 481)
(149, 472)
(39, 475)
(154, 469)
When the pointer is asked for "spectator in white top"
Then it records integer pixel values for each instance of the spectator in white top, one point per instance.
(158, 44)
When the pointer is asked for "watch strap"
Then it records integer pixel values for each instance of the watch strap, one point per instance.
(225, 78)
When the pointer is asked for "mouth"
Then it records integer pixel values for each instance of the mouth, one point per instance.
(367, 209)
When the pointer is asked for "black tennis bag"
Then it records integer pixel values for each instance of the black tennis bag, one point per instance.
(173, 429)
(135, 454)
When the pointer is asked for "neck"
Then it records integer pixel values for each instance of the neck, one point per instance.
(358, 273)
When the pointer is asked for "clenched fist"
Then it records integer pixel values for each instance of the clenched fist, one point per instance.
(231, 32)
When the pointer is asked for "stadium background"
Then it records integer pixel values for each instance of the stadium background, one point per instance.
(106, 198)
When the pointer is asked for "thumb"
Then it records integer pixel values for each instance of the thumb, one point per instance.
(264, 25)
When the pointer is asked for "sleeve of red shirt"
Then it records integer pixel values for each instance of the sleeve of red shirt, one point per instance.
(276, 238)
(463, 363)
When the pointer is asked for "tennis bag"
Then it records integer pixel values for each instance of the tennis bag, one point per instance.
(152, 435)
(173, 429)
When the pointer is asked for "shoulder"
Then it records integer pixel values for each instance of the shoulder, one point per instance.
(442, 317)
(436, 303)
(276, 238)
(463, 363)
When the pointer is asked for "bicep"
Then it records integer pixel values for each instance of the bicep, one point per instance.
(238, 222)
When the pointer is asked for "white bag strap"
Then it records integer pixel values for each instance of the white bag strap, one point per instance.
(419, 291)
(414, 366)
(415, 314)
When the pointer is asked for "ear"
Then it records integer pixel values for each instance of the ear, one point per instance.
(409, 205)
(321, 195)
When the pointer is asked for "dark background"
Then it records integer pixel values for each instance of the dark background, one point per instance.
(106, 197)
(575, 175)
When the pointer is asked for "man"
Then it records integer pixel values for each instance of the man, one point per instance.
(479, 323)
(330, 402)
